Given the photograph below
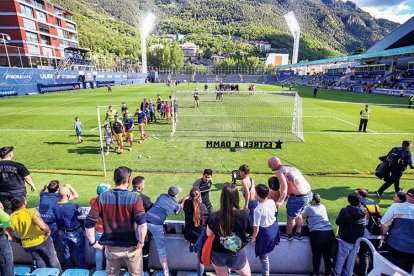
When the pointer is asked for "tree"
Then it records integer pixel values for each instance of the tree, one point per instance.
(166, 56)
(177, 56)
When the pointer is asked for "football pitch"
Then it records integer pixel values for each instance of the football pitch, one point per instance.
(335, 157)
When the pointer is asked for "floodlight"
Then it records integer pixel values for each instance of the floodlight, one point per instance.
(147, 24)
(146, 27)
(294, 29)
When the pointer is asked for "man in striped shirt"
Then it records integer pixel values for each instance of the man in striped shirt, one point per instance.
(398, 222)
(121, 212)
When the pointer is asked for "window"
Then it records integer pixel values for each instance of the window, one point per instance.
(43, 28)
(70, 26)
(58, 11)
(72, 36)
(29, 24)
(26, 10)
(32, 37)
(41, 16)
(65, 34)
(63, 43)
(58, 22)
(39, 5)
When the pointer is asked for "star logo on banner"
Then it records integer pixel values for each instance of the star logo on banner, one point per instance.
(279, 144)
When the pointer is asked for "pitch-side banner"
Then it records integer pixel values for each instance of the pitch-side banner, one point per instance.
(384, 267)
(391, 92)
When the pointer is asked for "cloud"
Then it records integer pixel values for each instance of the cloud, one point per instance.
(378, 3)
(397, 10)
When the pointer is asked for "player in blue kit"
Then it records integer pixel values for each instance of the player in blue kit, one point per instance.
(128, 126)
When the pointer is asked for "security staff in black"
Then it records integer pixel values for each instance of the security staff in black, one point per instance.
(398, 159)
(13, 176)
(364, 118)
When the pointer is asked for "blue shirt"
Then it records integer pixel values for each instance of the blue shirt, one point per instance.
(141, 117)
(78, 126)
(163, 206)
(400, 220)
(128, 122)
(67, 215)
(47, 201)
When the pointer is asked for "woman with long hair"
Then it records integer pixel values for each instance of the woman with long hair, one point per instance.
(231, 227)
(195, 214)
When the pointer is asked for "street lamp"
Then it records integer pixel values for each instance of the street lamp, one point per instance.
(6, 37)
(146, 26)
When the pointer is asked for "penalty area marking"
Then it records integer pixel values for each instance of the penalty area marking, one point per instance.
(37, 108)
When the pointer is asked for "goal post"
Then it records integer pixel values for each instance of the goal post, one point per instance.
(238, 116)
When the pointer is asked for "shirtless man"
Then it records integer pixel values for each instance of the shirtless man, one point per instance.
(292, 183)
(248, 190)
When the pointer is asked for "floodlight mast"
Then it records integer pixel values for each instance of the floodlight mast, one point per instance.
(294, 29)
(146, 27)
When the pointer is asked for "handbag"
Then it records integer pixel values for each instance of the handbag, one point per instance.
(374, 221)
(206, 252)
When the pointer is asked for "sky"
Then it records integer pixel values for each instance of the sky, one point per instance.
(395, 10)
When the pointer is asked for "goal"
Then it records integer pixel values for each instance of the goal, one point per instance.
(238, 116)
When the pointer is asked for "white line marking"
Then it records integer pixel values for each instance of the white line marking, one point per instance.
(28, 110)
(94, 129)
(345, 121)
(39, 130)
(358, 133)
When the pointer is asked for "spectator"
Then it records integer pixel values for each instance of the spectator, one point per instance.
(351, 222)
(322, 237)
(231, 226)
(6, 263)
(292, 182)
(274, 186)
(34, 234)
(78, 129)
(121, 212)
(99, 253)
(204, 184)
(163, 206)
(14, 175)
(399, 197)
(50, 199)
(266, 229)
(364, 254)
(398, 222)
(248, 190)
(138, 185)
(70, 230)
(195, 214)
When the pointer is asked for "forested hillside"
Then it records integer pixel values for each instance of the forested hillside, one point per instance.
(329, 27)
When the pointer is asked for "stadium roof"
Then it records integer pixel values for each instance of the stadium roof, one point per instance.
(401, 37)
(386, 53)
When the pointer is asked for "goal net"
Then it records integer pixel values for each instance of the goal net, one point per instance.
(238, 116)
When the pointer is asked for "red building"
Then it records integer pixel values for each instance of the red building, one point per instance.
(34, 33)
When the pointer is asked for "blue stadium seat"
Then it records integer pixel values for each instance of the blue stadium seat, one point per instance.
(99, 273)
(145, 274)
(21, 270)
(46, 271)
(76, 272)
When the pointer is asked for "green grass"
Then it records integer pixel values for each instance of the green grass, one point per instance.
(335, 158)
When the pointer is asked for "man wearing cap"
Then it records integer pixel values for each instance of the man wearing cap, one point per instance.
(163, 206)
(292, 183)
(398, 222)
(98, 227)
(399, 158)
(124, 225)
(13, 175)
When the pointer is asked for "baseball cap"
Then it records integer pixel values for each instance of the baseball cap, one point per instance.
(4, 151)
(102, 188)
(410, 192)
(173, 191)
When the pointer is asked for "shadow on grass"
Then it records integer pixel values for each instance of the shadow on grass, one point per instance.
(59, 143)
(337, 130)
(88, 135)
(334, 193)
(84, 150)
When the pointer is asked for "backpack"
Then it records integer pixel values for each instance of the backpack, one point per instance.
(374, 221)
(395, 158)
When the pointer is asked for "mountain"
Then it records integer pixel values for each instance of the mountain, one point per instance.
(328, 27)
